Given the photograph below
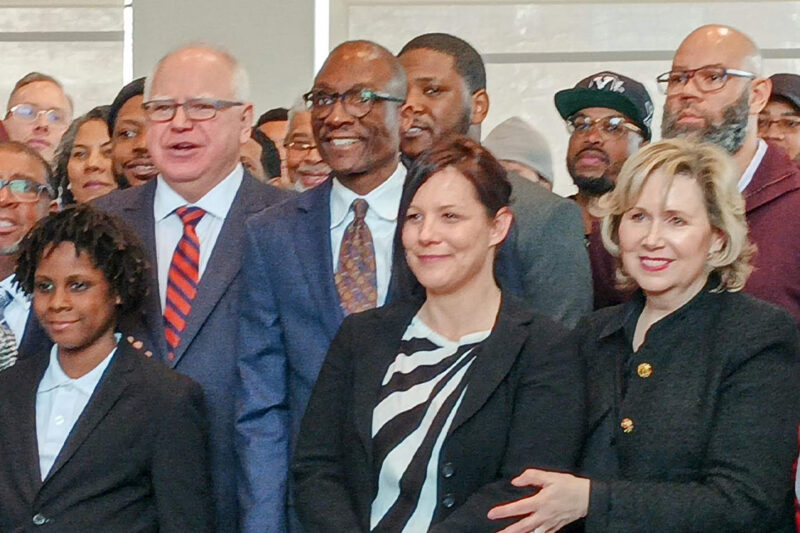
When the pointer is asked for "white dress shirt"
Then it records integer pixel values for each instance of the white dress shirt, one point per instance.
(169, 228)
(60, 400)
(16, 313)
(381, 219)
(750, 171)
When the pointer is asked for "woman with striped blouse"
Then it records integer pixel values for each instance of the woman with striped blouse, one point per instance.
(426, 408)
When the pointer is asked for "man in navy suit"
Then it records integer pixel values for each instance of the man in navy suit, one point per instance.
(198, 116)
(291, 307)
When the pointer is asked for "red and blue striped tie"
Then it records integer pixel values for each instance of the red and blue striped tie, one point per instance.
(184, 275)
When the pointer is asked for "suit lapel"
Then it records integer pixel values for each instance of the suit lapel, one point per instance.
(312, 240)
(112, 385)
(388, 324)
(495, 358)
(773, 178)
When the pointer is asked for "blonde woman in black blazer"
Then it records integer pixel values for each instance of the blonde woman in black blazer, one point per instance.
(692, 386)
(520, 399)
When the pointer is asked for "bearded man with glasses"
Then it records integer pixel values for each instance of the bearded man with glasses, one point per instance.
(608, 118)
(715, 93)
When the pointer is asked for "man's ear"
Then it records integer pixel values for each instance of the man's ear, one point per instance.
(759, 96)
(247, 123)
(480, 106)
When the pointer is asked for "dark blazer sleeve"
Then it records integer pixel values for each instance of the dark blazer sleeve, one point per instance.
(322, 499)
(746, 473)
(262, 419)
(180, 466)
(545, 427)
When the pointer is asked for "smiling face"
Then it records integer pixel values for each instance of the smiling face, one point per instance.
(17, 218)
(305, 165)
(448, 237)
(74, 302)
(438, 101)
(129, 144)
(89, 165)
(665, 238)
(195, 155)
(41, 135)
(786, 136)
(594, 159)
(364, 151)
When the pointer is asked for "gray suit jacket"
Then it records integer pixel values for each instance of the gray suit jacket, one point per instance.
(206, 352)
(556, 276)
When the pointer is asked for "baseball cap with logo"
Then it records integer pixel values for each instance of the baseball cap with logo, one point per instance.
(611, 90)
(786, 86)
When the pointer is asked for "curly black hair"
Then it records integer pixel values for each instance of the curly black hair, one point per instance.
(112, 247)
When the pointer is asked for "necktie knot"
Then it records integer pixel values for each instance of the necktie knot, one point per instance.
(190, 216)
(359, 207)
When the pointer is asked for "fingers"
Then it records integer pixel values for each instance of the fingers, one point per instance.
(523, 506)
(532, 477)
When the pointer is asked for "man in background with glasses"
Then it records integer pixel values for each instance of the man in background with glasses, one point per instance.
(715, 92)
(191, 218)
(779, 121)
(25, 197)
(304, 164)
(608, 118)
(312, 260)
(38, 113)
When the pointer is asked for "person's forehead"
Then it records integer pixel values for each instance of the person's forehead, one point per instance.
(275, 129)
(21, 164)
(347, 70)
(300, 124)
(427, 63)
(194, 76)
(699, 52)
(781, 107)
(132, 108)
(44, 94)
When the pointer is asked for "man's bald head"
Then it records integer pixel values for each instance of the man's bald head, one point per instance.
(373, 53)
(740, 48)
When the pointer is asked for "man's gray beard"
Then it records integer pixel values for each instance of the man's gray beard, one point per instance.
(729, 135)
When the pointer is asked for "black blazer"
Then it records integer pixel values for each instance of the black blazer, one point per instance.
(712, 403)
(136, 460)
(522, 408)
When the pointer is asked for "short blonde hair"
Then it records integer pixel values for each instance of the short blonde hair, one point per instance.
(717, 174)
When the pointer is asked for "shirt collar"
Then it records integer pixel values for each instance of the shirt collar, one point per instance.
(216, 202)
(383, 200)
(15, 291)
(55, 377)
(750, 171)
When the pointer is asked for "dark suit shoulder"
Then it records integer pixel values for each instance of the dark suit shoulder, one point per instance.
(531, 200)
(161, 378)
(116, 201)
(262, 195)
(23, 369)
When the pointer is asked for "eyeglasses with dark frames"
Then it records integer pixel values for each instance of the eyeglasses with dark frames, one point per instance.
(197, 109)
(708, 78)
(357, 102)
(609, 127)
(784, 124)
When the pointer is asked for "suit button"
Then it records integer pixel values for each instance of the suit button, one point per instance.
(448, 470)
(626, 425)
(39, 519)
(645, 370)
(449, 500)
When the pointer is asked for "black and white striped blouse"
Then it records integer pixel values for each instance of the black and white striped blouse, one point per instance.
(419, 397)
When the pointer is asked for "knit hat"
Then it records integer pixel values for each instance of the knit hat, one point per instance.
(515, 140)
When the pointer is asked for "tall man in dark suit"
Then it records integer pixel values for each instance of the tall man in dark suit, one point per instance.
(20, 332)
(715, 92)
(447, 95)
(191, 221)
(301, 273)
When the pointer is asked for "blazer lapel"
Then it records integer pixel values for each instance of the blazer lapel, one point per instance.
(140, 216)
(773, 178)
(389, 325)
(312, 240)
(112, 385)
(495, 358)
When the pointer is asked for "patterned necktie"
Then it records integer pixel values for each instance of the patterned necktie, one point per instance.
(355, 278)
(8, 344)
(184, 275)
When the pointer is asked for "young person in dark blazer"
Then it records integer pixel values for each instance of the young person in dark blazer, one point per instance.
(93, 435)
(445, 396)
(692, 386)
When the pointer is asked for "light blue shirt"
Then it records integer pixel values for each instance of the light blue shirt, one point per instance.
(169, 228)
(18, 308)
(60, 400)
(381, 219)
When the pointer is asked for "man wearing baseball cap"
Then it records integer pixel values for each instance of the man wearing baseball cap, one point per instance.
(779, 121)
(608, 116)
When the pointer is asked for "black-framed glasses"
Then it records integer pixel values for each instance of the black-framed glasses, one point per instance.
(24, 190)
(708, 78)
(299, 146)
(357, 102)
(197, 109)
(608, 127)
(30, 113)
(784, 124)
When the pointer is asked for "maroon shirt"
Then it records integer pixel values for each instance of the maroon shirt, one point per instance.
(773, 213)
(604, 270)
